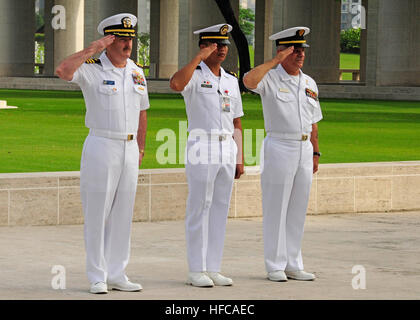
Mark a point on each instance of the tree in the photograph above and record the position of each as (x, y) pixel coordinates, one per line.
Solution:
(246, 22)
(350, 40)
(39, 21)
(238, 37)
(143, 48)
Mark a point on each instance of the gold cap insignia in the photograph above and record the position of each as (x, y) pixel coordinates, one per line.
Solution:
(126, 22)
(224, 29)
(301, 32)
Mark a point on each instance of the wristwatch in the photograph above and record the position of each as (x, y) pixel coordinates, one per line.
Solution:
(317, 154)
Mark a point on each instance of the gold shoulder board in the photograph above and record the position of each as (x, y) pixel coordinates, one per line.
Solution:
(232, 73)
(93, 61)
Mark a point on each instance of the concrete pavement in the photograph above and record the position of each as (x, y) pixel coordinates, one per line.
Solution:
(385, 244)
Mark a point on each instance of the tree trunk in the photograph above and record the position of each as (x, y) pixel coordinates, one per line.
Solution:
(239, 38)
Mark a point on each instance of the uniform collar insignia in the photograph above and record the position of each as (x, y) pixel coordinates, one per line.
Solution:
(106, 64)
(284, 75)
(207, 72)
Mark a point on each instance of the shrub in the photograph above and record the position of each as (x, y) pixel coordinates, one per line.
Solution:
(350, 41)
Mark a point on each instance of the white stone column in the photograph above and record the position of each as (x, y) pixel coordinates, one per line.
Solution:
(168, 40)
(205, 13)
(397, 42)
(154, 39)
(186, 47)
(97, 10)
(69, 40)
(363, 44)
(322, 60)
(172, 43)
(263, 29)
(322, 17)
(17, 31)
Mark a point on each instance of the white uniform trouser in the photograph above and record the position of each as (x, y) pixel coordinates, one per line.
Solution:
(209, 192)
(108, 182)
(286, 180)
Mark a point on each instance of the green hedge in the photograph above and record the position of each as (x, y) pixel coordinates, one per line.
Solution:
(350, 41)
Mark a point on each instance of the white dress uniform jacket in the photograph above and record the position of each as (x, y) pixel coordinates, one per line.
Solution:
(289, 110)
(114, 98)
(211, 105)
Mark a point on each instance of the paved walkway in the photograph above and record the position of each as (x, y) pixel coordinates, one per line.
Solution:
(385, 244)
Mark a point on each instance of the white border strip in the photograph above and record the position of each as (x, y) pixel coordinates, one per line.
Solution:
(244, 181)
(150, 198)
(8, 207)
(58, 200)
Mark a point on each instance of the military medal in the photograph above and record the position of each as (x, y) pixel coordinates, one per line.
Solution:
(311, 94)
(138, 78)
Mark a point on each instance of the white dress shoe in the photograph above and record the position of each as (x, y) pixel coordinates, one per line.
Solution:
(99, 288)
(199, 279)
(300, 275)
(126, 286)
(278, 276)
(219, 280)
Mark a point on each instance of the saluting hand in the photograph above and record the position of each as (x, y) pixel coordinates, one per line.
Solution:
(239, 170)
(141, 158)
(281, 55)
(101, 44)
(207, 51)
(316, 164)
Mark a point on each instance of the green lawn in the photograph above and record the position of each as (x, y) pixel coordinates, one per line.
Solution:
(251, 55)
(349, 61)
(47, 132)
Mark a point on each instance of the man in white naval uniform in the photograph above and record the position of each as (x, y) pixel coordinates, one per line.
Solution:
(115, 92)
(214, 107)
(290, 151)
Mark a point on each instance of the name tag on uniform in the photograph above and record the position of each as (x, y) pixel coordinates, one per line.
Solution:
(109, 82)
(284, 90)
(206, 84)
(225, 103)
